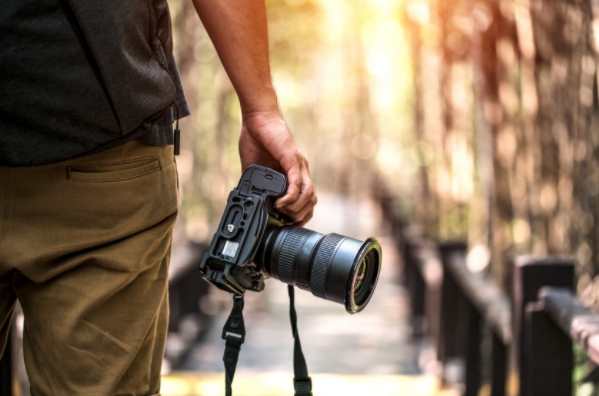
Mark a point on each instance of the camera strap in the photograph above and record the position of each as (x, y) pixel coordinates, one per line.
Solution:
(302, 383)
(234, 335)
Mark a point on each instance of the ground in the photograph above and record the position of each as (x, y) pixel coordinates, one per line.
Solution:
(371, 353)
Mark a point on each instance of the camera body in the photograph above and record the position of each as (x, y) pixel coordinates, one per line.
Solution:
(255, 241)
(250, 214)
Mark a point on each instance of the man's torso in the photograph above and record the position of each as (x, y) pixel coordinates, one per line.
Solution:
(72, 84)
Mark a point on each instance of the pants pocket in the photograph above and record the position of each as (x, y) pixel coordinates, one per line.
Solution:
(115, 171)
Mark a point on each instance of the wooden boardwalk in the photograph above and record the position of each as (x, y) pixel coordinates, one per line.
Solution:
(279, 384)
(371, 353)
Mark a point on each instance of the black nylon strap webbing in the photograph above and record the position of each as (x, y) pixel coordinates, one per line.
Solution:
(234, 335)
(302, 382)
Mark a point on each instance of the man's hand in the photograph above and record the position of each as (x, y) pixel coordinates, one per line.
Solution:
(266, 140)
(238, 31)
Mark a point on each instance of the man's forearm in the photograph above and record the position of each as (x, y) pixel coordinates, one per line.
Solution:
(239, 33)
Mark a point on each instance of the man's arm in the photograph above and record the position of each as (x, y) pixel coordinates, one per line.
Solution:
(239, 33)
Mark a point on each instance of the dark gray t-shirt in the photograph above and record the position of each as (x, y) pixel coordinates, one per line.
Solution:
(53, 103)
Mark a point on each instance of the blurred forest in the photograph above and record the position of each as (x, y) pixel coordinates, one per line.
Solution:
(479, 116)
(506, 108)
(343, 75)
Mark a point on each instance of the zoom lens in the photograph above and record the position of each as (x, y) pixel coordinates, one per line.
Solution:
(333, 266)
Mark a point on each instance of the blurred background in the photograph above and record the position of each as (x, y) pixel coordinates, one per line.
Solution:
(468, 120)
(479, 116)
(344, 78)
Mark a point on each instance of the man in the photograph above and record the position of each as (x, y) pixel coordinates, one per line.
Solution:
(88, 195)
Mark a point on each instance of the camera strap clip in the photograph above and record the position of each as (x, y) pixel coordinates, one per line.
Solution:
(234, 335)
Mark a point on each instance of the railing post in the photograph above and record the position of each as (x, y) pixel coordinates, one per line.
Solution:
(415, 284)
(530, 275)
(473, 358)
(6, 379)
(452, 325)
(549, 355)
(498, 366)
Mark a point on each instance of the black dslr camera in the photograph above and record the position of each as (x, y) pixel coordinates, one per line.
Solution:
(255, 241)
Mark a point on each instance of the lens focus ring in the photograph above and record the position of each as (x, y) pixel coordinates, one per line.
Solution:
(322, 260)
(293, 242)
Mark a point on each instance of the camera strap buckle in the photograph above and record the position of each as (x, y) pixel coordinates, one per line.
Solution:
(303, 387)
(234, 335)
(234, 327)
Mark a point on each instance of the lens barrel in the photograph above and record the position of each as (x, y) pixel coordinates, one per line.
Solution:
(333, 266)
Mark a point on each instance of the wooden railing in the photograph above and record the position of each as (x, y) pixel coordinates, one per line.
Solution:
(532, 329)
(475, 302)
(459, 305)
(536, 325)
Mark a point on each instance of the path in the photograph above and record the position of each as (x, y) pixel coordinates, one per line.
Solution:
(371, 349)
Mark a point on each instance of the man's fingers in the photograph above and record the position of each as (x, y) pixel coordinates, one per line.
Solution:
(293, 191)
(294, 178)
(305, 213)
(304, 199)
(306, 218)
(269, 142)
(305, 195)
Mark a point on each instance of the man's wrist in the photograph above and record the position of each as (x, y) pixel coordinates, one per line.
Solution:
(258, 120)
(260, 103)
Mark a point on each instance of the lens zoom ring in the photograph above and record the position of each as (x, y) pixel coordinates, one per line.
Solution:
(322, 260)
(293, 242)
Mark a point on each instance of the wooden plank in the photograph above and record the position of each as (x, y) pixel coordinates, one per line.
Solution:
(498, 366)
(486, 304)
(279, 383)
(415, 283)
(530, 275)
(550, 355)
(454, 315)
(573, 318)
(473, 357)
(448, 345)
(493, 305)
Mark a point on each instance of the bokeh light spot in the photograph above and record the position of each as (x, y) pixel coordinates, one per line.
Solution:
(363, 146)
(391, 30)
(388, 158)
(418, 11)
(478, 258)
(379, 65)
(521, 230)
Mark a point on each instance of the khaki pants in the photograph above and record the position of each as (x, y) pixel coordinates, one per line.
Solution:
(85, 247)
